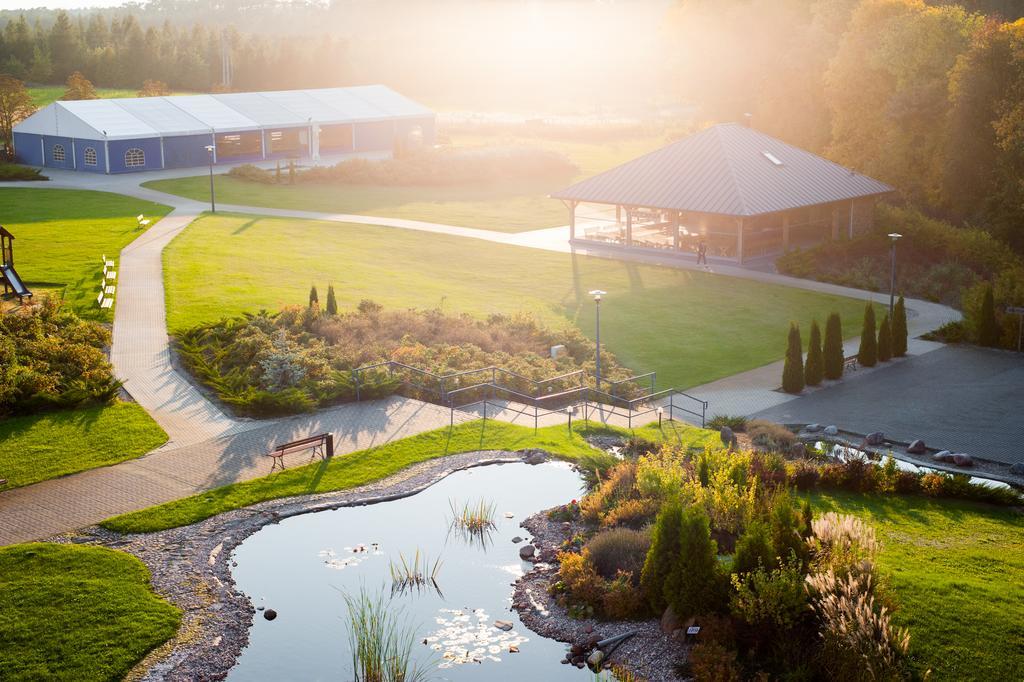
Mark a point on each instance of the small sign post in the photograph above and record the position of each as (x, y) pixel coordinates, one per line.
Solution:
(1019, 312)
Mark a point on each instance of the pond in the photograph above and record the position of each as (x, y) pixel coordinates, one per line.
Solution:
(302, 566)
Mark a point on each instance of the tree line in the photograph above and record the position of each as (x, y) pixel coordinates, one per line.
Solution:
(118, 52)
(929, 98)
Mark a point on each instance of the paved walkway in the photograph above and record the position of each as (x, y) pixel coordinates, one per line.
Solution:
(959, 398)
(208, 449)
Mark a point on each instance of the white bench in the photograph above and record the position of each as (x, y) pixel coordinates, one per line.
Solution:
(142, 221)
(108, 273)
(110, 291)
(107, 263)
(104, 302)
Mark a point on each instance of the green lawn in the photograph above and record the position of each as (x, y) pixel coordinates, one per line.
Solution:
(46, 94)
(505, 207)
(43, 446)
(70, 612)
(691, 327)
(355, 469)
(957, 570)
(61, 235)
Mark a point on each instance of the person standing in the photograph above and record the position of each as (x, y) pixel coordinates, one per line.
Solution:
(702, 253)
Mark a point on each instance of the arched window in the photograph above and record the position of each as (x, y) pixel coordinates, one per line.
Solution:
(90, 156)
(58, 153)
(134, 157)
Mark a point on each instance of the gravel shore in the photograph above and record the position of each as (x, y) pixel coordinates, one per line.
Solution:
(191, 565)
(650, 654)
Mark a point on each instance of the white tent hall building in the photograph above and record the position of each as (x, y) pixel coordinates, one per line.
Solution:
(153, 133)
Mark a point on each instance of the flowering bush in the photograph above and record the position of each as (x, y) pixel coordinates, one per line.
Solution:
(51, 359)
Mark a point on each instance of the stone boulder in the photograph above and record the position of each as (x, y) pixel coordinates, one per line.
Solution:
(875, 438)
(962, 459)
(943, 456)
(270, 614)
(831, 430)
(727, 436)
(917, 447)
(812, 428)
(1017, 469)
(527, 552)
(535, 456)
(798, 451)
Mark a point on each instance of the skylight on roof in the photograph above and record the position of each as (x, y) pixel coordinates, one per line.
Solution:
(771, 157)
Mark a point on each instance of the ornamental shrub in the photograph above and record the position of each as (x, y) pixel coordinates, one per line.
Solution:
(770, 436)
(622, 599)
(988, 327)
(833, 349)
(773, 600)
(619, 550)
(579, 578)
(314, 298)
(814, 371)
(793, 368)
(899, 329)
(332, 301)
(631, 513)
(663, 555)
(695, 585)
(713, 662)
(787, 529)
(753, 549)
(867, 356)
(884, 340)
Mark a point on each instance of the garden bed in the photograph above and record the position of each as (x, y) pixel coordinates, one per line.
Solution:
(303, 358)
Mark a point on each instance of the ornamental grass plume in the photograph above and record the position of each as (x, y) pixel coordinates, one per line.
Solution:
(859, 639)
(842, 543)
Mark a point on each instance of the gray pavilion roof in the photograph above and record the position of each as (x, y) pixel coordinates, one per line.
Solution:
(727, 169)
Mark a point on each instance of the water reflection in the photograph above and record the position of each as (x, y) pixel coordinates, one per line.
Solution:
(466, 632)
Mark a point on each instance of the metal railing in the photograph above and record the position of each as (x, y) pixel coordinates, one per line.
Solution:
(543, 398)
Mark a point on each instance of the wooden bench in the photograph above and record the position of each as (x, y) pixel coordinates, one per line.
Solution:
(322, 445)
(104, 301)
(850, 363)
(142, 221)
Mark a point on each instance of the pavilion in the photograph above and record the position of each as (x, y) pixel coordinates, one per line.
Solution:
(743, 193)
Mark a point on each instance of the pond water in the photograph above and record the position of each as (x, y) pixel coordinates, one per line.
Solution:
(301, 567)
(845, 453)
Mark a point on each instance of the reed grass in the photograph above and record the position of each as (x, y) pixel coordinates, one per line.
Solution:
(381, 640)
(416, 574)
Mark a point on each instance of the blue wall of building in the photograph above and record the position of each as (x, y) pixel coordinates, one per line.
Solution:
(101, 159)
(27, 148)
(50, 143)
(150, 147)
(377, 136)
(186, 151)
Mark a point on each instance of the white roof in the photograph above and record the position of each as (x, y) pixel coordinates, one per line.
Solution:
(390, 102)
(354, 107)
(162, 115)
(214, 113)
(142, 117)
(307, 106)
(264, 111)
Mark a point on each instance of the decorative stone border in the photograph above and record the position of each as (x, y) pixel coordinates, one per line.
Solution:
(191, 565)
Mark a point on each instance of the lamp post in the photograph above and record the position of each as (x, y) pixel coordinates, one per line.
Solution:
(213, 200)
(597, 294)
(894, 236)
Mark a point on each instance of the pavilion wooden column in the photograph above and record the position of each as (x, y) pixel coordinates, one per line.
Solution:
(629, 226)
(785, 232)
(675, 230)
(572, 220)
(739, 240)
(850, 225)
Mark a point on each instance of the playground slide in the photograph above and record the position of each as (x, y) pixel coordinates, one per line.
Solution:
(11, 275)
